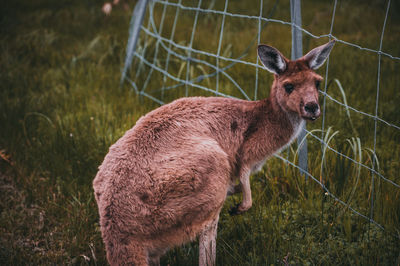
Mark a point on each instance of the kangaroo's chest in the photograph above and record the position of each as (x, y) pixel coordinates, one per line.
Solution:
(277, 144)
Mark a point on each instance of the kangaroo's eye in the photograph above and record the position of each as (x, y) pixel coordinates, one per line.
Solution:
(317, 84)
(288, 88)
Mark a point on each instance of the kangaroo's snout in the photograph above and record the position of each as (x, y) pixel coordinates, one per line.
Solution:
(311, 111)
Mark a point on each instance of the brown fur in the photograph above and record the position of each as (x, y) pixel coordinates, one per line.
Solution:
(165, 181)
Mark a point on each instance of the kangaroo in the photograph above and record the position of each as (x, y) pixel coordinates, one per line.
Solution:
(165, 181)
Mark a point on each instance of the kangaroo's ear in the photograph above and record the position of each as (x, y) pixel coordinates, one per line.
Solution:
(272, 59)
(317, 56)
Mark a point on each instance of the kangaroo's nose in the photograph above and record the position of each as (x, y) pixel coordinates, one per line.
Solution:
(311, 108)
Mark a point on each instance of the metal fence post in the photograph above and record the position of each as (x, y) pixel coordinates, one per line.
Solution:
(134, 30)
(297, 52)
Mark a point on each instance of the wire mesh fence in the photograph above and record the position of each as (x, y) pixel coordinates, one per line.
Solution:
(191, 48)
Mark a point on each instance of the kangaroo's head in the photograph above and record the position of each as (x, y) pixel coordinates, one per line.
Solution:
(295, 87)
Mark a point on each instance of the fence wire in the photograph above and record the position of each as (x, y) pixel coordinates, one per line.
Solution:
(186, 53)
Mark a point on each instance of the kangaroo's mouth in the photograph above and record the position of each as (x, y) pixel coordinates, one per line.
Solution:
(310, 118)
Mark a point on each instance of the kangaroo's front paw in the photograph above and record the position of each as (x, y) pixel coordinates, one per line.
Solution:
(243, 207)
(238, 209)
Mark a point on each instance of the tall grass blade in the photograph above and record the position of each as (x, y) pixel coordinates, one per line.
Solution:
(346, 105)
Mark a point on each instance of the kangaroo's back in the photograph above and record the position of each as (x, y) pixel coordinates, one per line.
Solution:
(166, 130)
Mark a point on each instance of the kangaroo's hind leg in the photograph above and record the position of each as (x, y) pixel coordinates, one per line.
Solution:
(207, 244)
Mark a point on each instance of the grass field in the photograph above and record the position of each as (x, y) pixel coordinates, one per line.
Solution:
(61, 107)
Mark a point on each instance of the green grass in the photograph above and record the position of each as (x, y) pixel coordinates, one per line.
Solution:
(61, 107)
